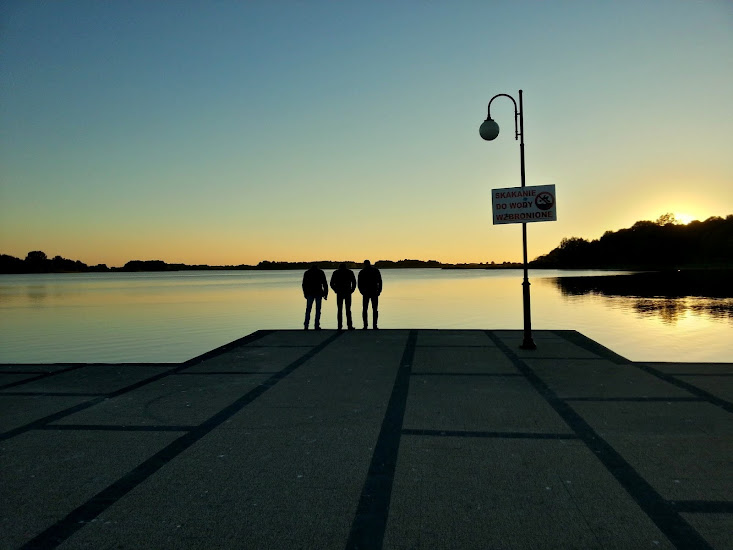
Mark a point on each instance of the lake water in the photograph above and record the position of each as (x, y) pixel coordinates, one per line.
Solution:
(171, 317)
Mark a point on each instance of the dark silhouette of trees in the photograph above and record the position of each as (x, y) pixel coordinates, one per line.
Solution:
(59, 264)
(649, 245)
(330, 264)
(36, 257)
(387, 264)
(37, 261)
(148, 265)
(11, 264)
(666, 219)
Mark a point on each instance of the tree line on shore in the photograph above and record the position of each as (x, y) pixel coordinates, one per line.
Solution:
(38, 262)
(661, 244)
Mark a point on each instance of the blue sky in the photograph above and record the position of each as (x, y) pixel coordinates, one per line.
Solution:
(233, 132)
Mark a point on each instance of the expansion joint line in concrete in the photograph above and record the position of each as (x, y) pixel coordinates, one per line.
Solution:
(580, 340)
(661, 512)
(39, 377)
(370, 522)
(30, 372)
(671, 379)
(115, 428)
(481, 374)
(226, 373)
(75, 520)
(594, 347)
(50, 394)
(488, 435)
(42, 422)
(636, 399)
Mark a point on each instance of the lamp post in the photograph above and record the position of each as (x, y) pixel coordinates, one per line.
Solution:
(489, 130)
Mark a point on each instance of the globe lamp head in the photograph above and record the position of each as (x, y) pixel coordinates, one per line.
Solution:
(489, 129)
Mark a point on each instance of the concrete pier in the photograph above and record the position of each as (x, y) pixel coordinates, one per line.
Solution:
(395, 439)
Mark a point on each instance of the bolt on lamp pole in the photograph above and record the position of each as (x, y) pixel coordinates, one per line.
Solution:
(489, 130)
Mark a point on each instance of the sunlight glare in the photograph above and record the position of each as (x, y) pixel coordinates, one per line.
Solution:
(683, 219)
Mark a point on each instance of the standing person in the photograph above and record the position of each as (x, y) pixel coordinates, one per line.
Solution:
(370, 286)
(343, 283)
(314, 288)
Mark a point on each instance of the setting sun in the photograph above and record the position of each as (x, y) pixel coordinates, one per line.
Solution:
(683, 218)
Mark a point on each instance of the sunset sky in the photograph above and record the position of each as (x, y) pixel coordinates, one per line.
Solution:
(231, 132)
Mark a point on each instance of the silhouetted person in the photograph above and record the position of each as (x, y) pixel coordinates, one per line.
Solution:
(370, 286)
(314, 288)
(343, 283)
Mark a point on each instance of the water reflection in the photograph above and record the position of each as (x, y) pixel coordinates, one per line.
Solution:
(168, 317)
(37, 293)
(671, 310)
(668, 296)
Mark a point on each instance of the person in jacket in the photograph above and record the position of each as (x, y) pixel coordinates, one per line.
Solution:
(315, 288)
(370, 286)
(343, 283)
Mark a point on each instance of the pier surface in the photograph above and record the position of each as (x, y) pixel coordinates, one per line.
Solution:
(394, 439)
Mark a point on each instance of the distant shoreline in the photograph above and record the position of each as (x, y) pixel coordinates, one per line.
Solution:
(142, 267)
(651, 246)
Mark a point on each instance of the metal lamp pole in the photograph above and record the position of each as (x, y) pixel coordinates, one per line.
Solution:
(489, 130)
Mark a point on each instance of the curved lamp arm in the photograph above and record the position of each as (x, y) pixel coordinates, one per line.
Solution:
(490, 129)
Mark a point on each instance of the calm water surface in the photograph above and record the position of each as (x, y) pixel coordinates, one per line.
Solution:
(171, 317)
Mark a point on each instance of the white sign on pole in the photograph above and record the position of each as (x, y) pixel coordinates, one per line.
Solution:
(524, 204)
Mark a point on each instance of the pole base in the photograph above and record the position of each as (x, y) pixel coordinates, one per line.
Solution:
(528, 343)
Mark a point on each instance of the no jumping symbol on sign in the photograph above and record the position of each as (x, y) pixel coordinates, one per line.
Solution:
(544, 201)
